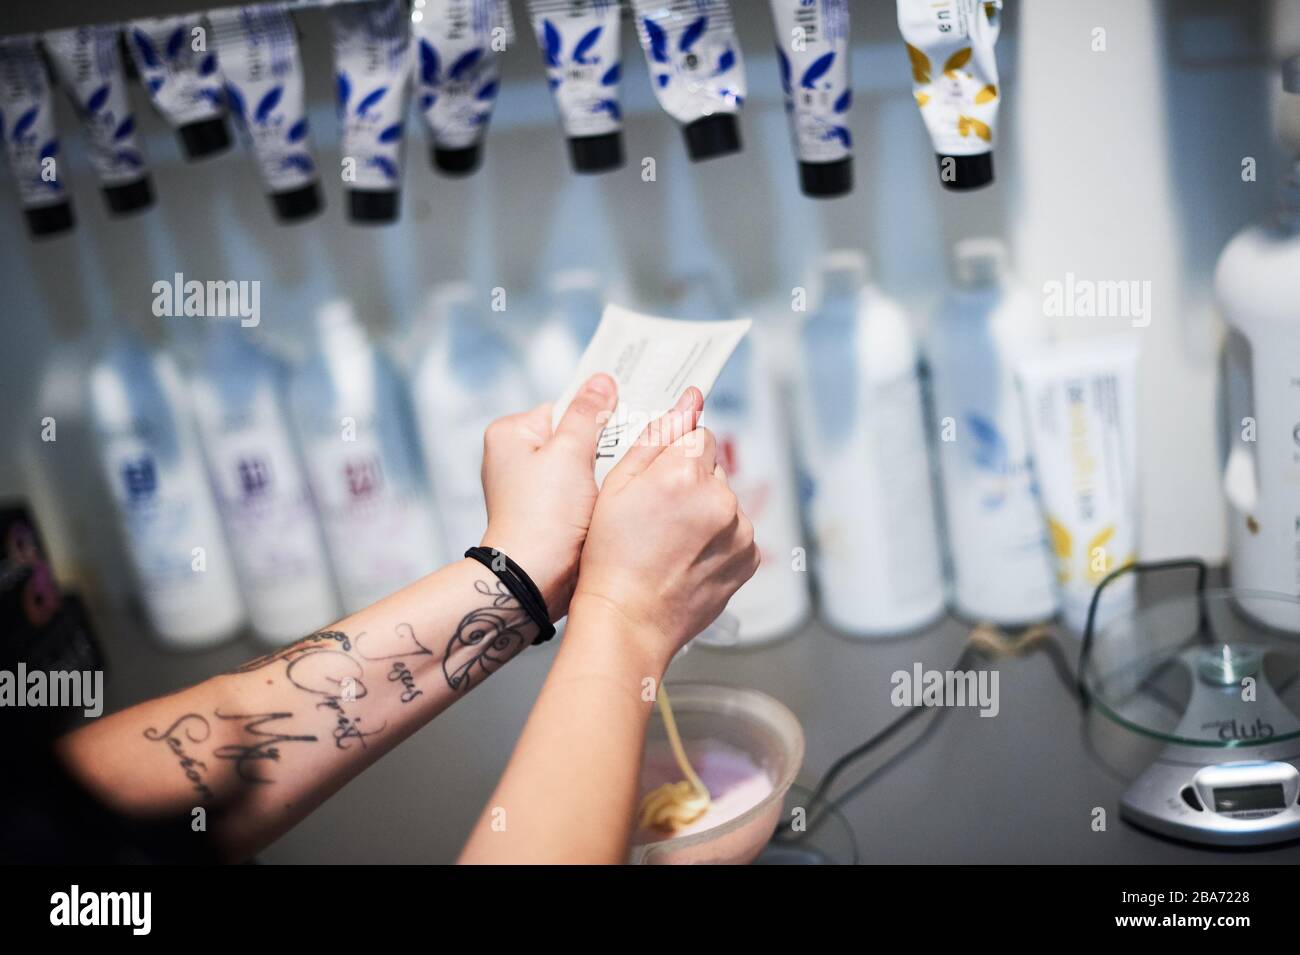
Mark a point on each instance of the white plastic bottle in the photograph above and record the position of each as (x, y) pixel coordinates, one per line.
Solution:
(154, 468)
(358, 440)
(1001, 563)
(576, 301)
(467, 377)
(862, 433)
(261, 487)
(1258, 285)
(743, 412)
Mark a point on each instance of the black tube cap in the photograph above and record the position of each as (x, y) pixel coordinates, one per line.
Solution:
(297, 203)
(716, 135)
(50, 220)
(596, 153)
(966, 172)
(826, 180)
(373, 206)
(132, 197)
(458, 162)
(204, 138)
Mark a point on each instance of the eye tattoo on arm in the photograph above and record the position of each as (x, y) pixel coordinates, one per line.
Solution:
(486, 638)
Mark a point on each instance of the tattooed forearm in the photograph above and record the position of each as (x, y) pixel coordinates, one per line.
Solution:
(195, 729)
(486, 638)
(265, 745)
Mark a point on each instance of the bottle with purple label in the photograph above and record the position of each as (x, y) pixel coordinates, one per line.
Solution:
(266, 505)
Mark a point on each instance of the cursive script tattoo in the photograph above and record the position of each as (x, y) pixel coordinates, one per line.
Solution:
(266, 745)
(196, 730)
(336, 678)
(486, 638)
(403, 643)
(320, 640)
(401, 673)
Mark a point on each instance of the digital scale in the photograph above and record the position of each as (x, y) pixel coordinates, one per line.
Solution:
(1221, 690)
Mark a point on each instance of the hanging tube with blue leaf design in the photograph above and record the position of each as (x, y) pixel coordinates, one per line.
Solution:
(30, 137)
(457, 75)
(257, 53)
(580, 48)
(89, 68)
(372, 76)
(812, 52)
(180, 73)
(696, 70)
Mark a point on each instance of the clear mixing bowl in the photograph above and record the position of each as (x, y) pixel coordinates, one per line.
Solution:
(756, 725)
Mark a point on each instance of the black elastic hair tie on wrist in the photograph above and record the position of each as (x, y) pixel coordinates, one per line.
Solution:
(521, 587)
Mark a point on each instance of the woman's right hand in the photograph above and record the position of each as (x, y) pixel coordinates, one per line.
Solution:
(668, 543)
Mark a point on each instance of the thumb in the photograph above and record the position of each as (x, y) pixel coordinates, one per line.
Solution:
(587, 413)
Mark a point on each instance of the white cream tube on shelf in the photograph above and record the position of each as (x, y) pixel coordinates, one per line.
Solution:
(1080, 403)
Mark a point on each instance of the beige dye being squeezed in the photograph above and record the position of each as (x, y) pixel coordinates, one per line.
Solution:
(674, 805)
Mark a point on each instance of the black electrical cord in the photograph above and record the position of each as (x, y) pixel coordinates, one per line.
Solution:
(1074, 683)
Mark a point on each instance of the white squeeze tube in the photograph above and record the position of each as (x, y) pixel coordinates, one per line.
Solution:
(372, 76)
(89, 68)
(457, 75)
(955, 82)
(812, 50)
(179, 70)
(257, 51)
(696, 70)
(1080, 404)
(579, 43)
(30, 138)
(652, 360)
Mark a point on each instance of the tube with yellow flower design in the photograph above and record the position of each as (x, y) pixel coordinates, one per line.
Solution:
(955, 82)
(1080, 403)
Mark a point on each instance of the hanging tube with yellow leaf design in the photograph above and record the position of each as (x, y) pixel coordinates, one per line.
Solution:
(1080, 404)
(955, 82)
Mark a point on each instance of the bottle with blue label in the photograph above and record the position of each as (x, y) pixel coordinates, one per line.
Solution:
(744, 413)
(577, 298)
(351, 412)
(154, 468)
(265, 502)
(467, 377)
(1002, 568)
(870, 501)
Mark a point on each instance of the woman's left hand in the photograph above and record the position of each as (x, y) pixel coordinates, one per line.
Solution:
(540, 487)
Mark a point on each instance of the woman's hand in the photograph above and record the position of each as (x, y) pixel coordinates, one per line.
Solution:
(540, 487)
(668, 543)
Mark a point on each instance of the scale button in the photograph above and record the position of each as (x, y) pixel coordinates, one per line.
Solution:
(1189, 797)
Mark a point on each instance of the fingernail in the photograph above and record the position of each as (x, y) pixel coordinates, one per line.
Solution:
(686, 401)
(602, 385)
